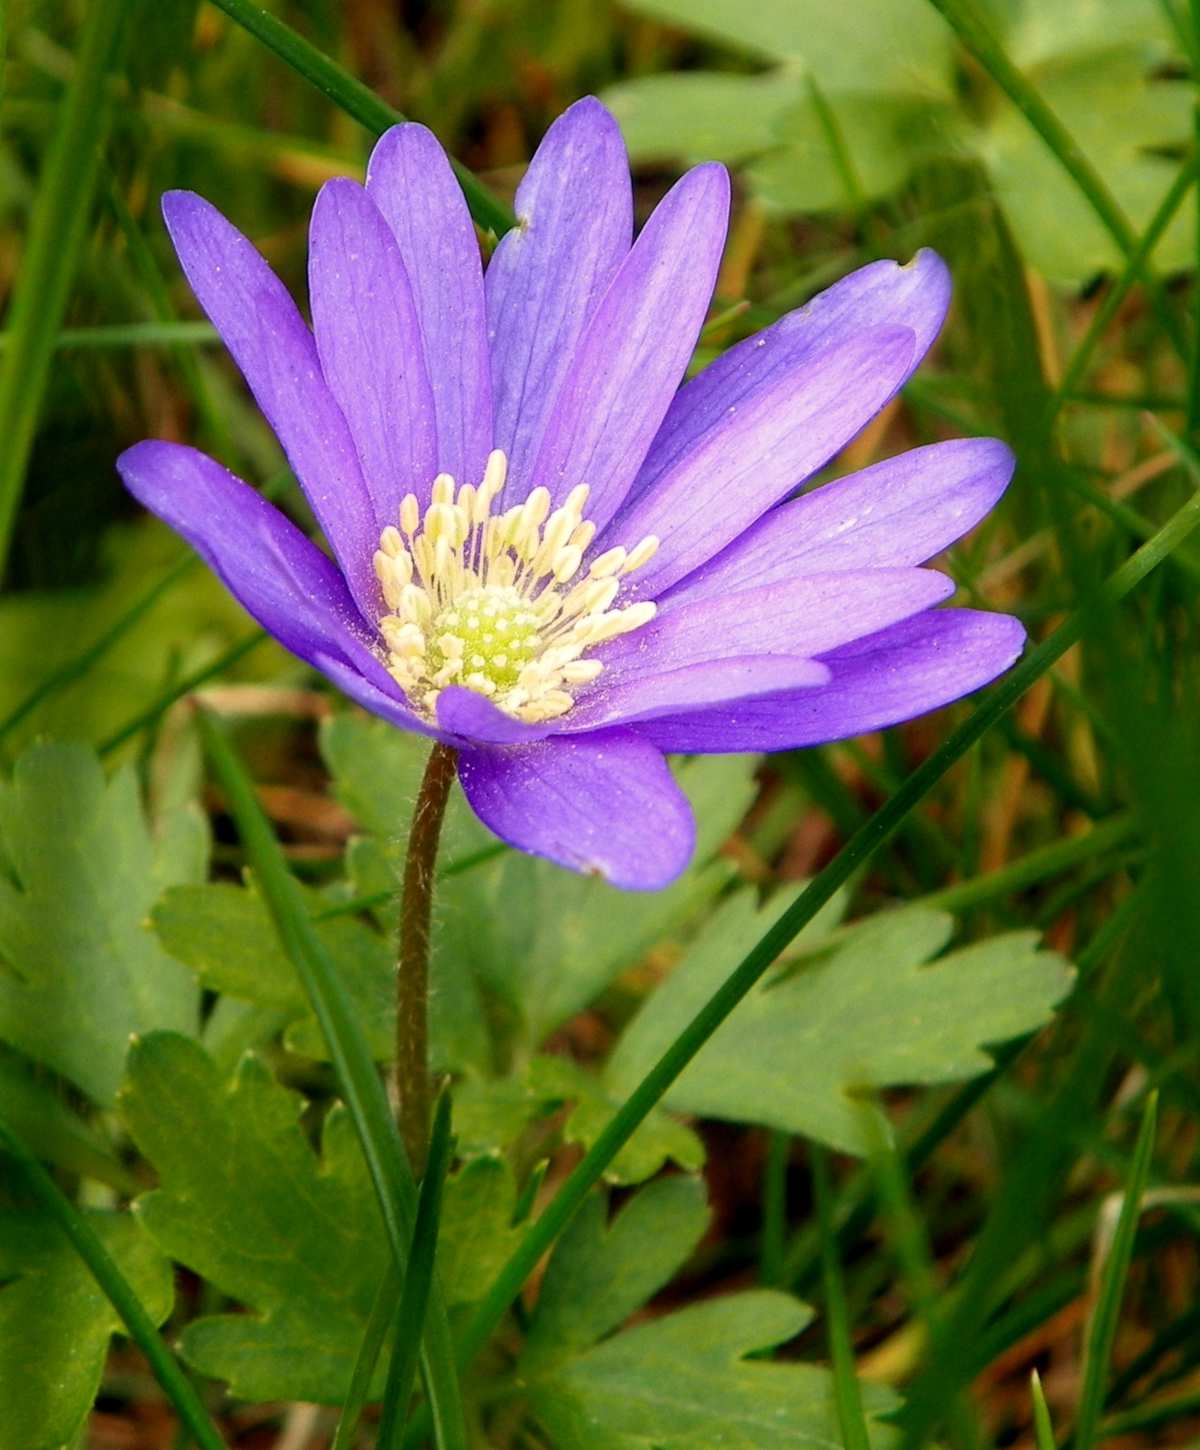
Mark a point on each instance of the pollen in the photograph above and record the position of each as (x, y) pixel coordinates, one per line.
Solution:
(501, 603)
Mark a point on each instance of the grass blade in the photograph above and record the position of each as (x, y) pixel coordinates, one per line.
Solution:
(410, 1317)
(117, 1289)
(57, 227)
(358, 1080)
(368, 1355)
(1112, 1285)
(355, 99)
(1043, 1430)
(977, 37)
(855, 1435)
(855, 853)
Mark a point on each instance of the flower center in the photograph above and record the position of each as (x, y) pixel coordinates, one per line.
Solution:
(497, 602)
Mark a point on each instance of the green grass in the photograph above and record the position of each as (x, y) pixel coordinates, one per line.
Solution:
(963, 1259)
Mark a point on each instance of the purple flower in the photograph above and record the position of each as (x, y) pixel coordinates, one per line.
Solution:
(546, 552)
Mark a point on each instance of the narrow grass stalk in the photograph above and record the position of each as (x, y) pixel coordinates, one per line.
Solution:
(378, 1320)
(410, 1317)
(1112, 1286)
(126, 334)
(144, 718)
(855, 1435)
(1043, 1429)
(853, 855)
(357, 1078)
(354, 98)
(413, 1087)
(57, 226)
(976, 35)
(117, 1290)
(1077, 366)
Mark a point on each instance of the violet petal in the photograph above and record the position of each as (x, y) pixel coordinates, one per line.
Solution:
(880, 294)
(258, 321)
(899, 673)
(369, 341)
(899, 512)
(711, 682)
(277, 575)
(411, 182)
(806, 616)
(635, 348)
(575, 224)
(605, 804)
(468, 715)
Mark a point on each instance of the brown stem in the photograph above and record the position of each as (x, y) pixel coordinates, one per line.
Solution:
(414, 1092)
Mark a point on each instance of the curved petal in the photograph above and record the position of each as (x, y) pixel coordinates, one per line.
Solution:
(881, 294)
(895, 675)
(411, 182)
(575, 224)
(470, 716)
(277, 575)
(762, 450)
(635, 348)
(899, 512)
(805, 617)
(369, 342)
(258, 321)
(708, 683)
(604, 804)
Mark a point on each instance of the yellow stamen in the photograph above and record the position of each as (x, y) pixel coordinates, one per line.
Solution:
(478, 599)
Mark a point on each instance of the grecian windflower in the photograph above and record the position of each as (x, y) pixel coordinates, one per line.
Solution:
(545, 551)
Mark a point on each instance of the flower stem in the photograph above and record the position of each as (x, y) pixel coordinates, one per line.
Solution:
(414, 1092)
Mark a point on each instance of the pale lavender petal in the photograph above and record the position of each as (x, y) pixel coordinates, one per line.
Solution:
(764, 448)
(269, 341)
(277, 575)
(411, 182)
(575, 223)
(895, 675)
(468, 715)
(636, 347)
(805, 617)
(604, 804)
(709, 683)
(369, 341)
(880, 294)
(899, 512)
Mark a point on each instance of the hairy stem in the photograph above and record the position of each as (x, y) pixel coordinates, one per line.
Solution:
(414, 1092)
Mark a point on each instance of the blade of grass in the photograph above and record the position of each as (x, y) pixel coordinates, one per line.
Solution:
(1043, 1430)
(355, 99)
(1077, 365)
(127, 334)
(1112, 1286)
(774, 1214)
(858, 850)
(163, 703)
(855, 1435)
(57, 226)
(977, 37)
(410, 1317)
(118, 1291)
(368, 1355)
(357, 1078)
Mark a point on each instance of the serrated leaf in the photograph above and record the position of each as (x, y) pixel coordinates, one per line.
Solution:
(245, 1201)
(886, 45)
(1120, 113)
(546, 942)
(476, 1233)
(799, 1052)
(55, 1322)
(79, 972)
(702, 115)
(681, 1382)
(491, 1114)
(224, 933)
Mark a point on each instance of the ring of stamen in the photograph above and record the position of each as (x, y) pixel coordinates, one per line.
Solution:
(500, 603)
